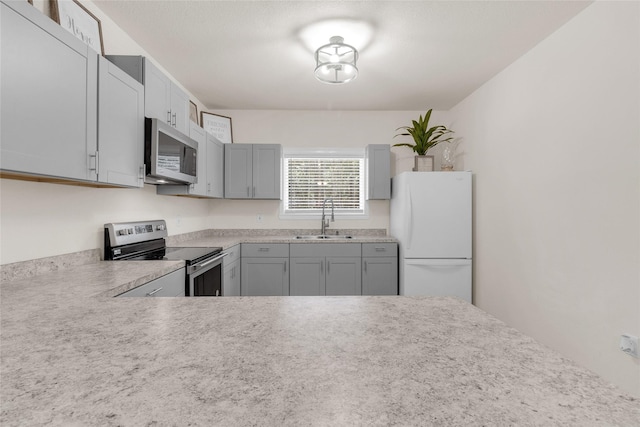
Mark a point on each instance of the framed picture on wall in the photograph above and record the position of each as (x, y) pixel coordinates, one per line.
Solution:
(193, 112)
(218, 126)
(76, 19)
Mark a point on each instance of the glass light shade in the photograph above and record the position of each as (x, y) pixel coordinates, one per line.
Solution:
(336, 62)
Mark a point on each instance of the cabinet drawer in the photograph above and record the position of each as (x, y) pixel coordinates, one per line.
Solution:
(379, 249)
(233, 255)
(270, 250)
(325, 249)
(170, 285)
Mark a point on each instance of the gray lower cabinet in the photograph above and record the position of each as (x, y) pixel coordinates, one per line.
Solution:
(379, 269)
(231, 272)
(169, 285)
(252, 171)
(48, 107)
(326, 269)
(264, 269)
(307, 276)
(121, 127)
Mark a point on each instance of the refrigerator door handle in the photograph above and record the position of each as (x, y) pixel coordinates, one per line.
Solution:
(409, 219)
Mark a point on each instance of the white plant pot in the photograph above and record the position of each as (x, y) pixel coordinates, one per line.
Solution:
(423, 164)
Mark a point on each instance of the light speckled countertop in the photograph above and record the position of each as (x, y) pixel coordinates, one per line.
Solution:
(235, 237)
(70, 355)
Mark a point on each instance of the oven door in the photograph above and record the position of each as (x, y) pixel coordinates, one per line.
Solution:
(205, 279)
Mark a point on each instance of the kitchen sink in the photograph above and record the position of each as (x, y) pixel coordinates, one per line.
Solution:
(324, 237)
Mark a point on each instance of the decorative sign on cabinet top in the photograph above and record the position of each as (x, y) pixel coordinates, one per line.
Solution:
(76, 19)
(218, 126)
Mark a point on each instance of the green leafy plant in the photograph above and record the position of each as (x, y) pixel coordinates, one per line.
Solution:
(425, 137)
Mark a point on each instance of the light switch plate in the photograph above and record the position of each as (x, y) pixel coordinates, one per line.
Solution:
(629, 344)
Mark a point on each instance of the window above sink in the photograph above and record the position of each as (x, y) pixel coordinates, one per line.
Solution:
(312, 176)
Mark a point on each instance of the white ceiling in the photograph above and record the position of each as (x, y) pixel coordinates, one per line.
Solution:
(414, 55)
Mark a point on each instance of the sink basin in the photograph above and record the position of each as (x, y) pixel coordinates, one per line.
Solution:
(325, 237)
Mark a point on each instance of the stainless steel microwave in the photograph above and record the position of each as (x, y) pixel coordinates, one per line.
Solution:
(170, 156)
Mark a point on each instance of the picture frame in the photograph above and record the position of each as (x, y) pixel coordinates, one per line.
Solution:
(218, 126)
(193, 112)
(79, 21)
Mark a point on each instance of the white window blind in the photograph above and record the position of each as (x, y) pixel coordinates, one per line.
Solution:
(310, 180)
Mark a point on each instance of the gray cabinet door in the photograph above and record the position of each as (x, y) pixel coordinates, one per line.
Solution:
(238, 171)
(380, 276)
(344, 276)
(307, 276)
(199, 188)
(157, 93)
(267, 160)
(264, 277)
(48, 107)
(121, 127)
(231, 283)
(215, 167)
(378, 171)
(179, 107)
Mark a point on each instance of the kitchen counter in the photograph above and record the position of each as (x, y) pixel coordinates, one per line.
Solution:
(228, 241)
(71, 355)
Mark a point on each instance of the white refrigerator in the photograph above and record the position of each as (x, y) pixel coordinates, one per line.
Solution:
(431, 218)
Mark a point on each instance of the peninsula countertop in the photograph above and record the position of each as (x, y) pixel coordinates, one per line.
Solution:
(72, 355)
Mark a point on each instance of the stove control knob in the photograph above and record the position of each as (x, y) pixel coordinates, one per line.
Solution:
(160, 227)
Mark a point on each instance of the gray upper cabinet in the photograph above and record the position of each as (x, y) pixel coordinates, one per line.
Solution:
(252, 171)
(121, 127)
(378, 171)
(215, 167)
(163, 99)
(49, 89)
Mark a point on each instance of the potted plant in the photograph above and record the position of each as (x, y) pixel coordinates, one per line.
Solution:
(425, 138)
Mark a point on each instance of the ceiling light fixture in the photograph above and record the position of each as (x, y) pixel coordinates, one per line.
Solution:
(336, 62)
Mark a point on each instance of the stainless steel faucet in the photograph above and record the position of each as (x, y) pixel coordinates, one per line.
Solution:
(325, 222)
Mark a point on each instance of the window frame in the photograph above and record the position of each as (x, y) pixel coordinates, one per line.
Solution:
(340, 153)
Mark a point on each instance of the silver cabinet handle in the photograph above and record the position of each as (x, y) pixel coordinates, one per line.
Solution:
(380, 250)
(365, 266)
(169, 117)
(95, 164)
(248, 191)
(141, 176)
(285, 266)
(263, 249)
(328, 267)
(150, 294)
(173, 122)
(321, 267)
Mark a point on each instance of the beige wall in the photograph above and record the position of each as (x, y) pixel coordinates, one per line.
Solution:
(40, 219)
(554, 143)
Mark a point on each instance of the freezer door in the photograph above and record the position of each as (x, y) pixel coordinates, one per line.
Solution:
(436, 277)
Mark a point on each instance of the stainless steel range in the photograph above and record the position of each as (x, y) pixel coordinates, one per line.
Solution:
(145, 240)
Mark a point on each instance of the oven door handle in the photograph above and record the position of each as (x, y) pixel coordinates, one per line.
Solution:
(197, 267)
